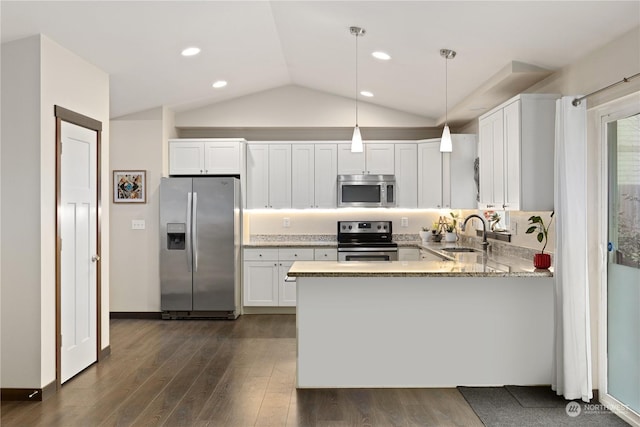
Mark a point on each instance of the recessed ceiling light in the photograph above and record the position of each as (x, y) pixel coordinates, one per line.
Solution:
(220, 83)
(381, 55)
(190, 51)
(366, 93)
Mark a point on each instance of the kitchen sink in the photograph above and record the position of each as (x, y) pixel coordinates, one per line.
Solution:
(459, 249)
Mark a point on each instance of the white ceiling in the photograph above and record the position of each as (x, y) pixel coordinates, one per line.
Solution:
(259, 45)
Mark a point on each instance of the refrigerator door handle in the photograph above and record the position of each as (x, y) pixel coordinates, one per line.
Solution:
(195, 231)
(189, 234)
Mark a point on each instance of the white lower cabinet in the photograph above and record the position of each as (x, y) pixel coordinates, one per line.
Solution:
(408, 254)
(325, 254)
(265, 271)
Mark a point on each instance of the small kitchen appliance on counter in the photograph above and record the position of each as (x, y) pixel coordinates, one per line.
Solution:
(366, 241)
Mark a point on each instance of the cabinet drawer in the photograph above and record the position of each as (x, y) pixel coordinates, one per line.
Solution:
(326, 254)
(296, 254)
(261, 254)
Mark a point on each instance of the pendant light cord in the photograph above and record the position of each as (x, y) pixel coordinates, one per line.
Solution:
(357, 35)
(446, 90)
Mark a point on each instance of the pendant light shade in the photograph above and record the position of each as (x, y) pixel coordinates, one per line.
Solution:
(356, 140)
(445, 142)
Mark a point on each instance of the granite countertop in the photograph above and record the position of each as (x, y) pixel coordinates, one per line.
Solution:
(406, 269)
(460, 264)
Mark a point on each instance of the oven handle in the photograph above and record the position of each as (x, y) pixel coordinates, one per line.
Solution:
(367, 249)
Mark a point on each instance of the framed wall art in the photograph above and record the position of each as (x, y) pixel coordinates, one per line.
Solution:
(129, 186)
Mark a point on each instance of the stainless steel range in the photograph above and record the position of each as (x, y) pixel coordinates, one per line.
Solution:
(366, 241)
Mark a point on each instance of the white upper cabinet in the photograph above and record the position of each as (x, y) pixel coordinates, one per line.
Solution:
(446, 180)
(205, 156)
(302, 176)
(257, 176)
(326, 176)
(377, 159)
(406, 168)
(429, 175)
(517, 142)
(459, 188)
(313, 175)
(380, 159)
(279, 176)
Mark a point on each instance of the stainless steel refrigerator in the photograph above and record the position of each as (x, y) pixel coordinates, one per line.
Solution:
(200, 242)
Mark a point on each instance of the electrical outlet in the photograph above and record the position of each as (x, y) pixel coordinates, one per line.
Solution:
(138, 224)
(513, 228)
(404, 221)
(286, 222)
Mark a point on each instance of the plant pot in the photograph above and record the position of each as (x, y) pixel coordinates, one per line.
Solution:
(450, 237)
(424, 235)
(542, 261)
(436, 237)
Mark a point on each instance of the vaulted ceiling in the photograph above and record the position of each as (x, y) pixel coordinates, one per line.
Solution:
(259, 45)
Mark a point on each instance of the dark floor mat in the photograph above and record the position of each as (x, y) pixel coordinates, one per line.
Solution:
(497, 407)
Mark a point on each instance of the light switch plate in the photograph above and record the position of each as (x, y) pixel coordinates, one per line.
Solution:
(137, 224)
(286, 222)
(404, 221)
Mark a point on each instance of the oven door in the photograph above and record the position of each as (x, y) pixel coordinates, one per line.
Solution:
(367, 254)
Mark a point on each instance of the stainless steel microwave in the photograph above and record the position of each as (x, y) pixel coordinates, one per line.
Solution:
(366, 191)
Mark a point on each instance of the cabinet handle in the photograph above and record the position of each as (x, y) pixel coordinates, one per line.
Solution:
(200, 170)
(489, 206)
(275, 265)
(260, 255)
(295, 255)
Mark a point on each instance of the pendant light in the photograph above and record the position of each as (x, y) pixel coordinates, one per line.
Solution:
(445, 142)
(356, 139)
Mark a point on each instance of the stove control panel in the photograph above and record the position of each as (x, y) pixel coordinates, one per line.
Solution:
(347, 227)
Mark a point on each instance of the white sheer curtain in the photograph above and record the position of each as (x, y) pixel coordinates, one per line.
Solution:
(572, 369)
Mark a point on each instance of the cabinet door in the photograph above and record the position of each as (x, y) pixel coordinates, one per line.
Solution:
(350, 163)
(379, 159)
(222, 158)
(406, 167)
(186, 158)
(302, 176)
(261, 283)
(408, 254)
(326, 176)
(279, 176)
(325, 254)
(461, 191)
(257, 176)
(429, 175)
(511, 117)
(287, 294)
(491, 161)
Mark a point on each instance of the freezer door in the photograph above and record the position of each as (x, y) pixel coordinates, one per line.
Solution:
(215, 207)
(175, 244)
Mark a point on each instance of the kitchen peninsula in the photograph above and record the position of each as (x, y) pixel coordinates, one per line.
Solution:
(423, 323)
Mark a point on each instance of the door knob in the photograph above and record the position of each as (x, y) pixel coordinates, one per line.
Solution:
(95, 258)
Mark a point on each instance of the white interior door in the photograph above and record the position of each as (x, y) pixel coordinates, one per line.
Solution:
(78, 195)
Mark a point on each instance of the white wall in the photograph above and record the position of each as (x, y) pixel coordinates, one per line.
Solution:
(295, 106)
(20, 193)
(37, 74)
(137, 143)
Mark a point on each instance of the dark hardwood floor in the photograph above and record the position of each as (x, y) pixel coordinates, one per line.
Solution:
(222, 373)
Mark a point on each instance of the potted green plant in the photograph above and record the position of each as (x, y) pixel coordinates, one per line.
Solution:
(425, 233)
(536, 224)
(451, 234)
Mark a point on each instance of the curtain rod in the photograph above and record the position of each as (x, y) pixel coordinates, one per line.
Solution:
(577, 101)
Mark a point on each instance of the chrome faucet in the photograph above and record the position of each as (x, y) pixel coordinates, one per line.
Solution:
(485, 245)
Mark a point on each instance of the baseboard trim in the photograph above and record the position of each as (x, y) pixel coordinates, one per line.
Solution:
(149, 315)
(104, 353)
(28, 394)
(268, 310)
